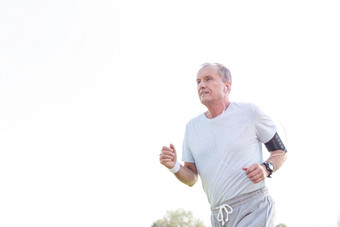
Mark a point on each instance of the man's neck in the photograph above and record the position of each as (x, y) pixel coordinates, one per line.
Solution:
(217, 109)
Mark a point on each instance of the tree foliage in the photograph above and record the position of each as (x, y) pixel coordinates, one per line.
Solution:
(281, 225)
(178, 218)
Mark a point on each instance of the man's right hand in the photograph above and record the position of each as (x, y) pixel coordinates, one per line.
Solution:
(168, 156)
(188, 173)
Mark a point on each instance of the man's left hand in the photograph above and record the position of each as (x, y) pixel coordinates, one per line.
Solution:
(256, 172)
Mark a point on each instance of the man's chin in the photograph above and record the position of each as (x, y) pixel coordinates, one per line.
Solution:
(205, 101)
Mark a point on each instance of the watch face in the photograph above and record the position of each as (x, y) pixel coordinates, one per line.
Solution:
(270, 166)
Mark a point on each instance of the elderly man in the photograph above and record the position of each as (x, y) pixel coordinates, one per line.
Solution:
(224, 147)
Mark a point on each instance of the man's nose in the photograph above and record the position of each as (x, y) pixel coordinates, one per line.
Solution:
(201, 85)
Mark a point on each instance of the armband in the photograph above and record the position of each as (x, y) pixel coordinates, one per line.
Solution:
(275, 144)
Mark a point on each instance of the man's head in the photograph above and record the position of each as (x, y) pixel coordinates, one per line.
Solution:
(213, 83)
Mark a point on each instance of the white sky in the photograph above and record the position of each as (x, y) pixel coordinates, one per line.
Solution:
(91, 90)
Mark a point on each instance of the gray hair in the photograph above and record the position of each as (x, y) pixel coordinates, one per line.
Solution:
(224, 71)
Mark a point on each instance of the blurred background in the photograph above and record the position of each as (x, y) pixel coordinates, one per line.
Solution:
(90, 91)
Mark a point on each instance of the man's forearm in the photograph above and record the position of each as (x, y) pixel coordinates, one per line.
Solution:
(186, 176)
(277, 158)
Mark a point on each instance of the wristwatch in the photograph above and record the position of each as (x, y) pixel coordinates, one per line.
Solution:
(269, 167)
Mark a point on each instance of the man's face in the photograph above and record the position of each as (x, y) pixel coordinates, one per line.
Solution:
(210, 86)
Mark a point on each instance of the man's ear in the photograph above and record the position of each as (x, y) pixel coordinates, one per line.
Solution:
(227, 86)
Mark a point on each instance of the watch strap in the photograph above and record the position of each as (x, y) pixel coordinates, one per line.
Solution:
(270, 170)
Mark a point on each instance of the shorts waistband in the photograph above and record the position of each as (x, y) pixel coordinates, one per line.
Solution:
(238, 200)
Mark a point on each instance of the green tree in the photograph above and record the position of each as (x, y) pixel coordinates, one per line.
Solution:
(281, 225)
(178, 218)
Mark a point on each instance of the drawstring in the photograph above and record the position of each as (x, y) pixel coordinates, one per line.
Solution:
(220, 213)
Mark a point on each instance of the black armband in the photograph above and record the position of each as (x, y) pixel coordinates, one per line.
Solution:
(275, 144)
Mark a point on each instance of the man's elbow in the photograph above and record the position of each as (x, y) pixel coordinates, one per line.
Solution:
(284, 154)
(192, 183)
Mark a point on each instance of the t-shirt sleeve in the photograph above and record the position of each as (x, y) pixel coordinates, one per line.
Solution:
(264, 126)
(186, 152)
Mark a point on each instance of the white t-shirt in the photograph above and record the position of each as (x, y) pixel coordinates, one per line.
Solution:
(221, 146)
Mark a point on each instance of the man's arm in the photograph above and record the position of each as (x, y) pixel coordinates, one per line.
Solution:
(278, 152)
(187, 174)
(278, 155)
(277, 158)
(258, 172)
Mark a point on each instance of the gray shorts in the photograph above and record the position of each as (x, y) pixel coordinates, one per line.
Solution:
(254, 209)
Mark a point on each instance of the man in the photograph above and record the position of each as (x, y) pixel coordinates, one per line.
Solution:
(224, 147)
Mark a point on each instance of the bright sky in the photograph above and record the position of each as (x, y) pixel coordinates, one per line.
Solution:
(91, 90)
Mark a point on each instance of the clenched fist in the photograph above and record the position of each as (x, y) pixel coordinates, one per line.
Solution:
(256, 172)
(168, 156)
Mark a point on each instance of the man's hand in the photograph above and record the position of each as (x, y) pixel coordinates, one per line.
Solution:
(256, 172)
(168, 156)
(187, 174)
